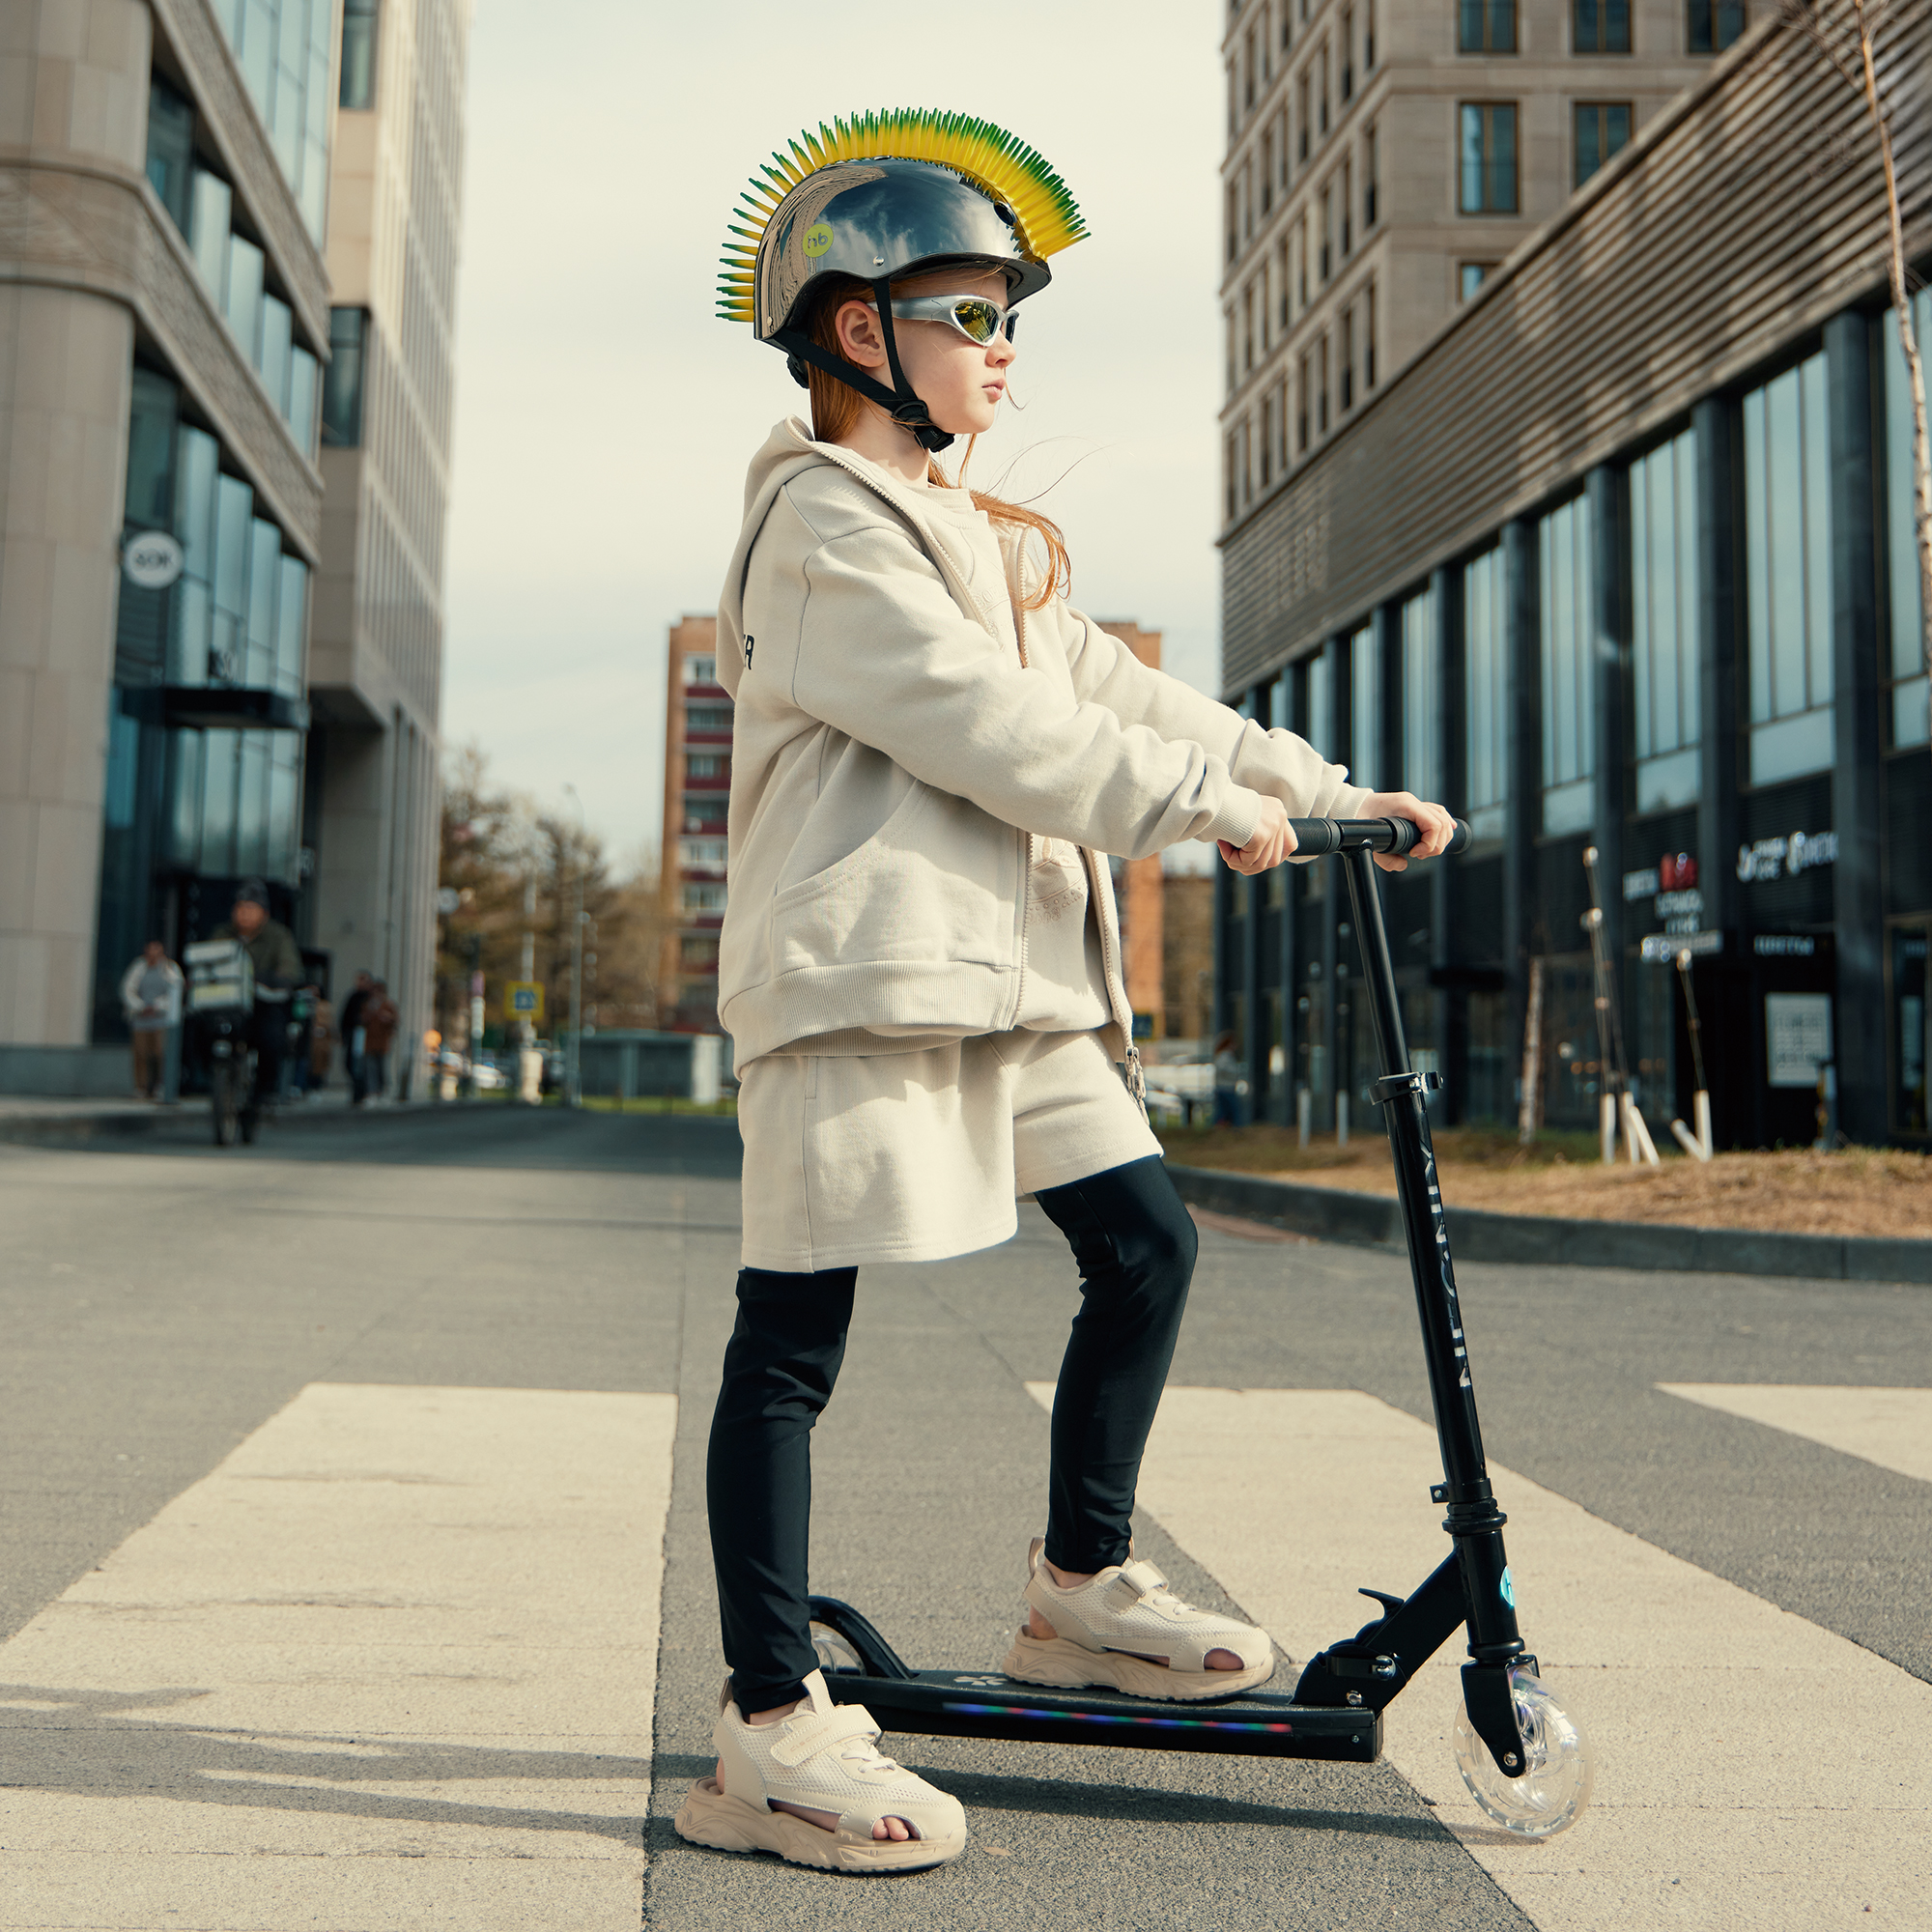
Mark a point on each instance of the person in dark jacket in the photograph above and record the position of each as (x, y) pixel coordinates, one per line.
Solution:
(348, 1024)
(277, 961)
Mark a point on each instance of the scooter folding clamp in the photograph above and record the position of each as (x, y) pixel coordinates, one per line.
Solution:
(1393, 1086)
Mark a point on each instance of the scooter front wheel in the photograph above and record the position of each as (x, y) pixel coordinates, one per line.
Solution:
(1554, 1787)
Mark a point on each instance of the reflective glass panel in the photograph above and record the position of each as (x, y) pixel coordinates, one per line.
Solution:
(1567, 614)
(1365, 707)
(1485, 682)
(1788, 573)
(1663, 623)
(1909, 714)
(1421, 699)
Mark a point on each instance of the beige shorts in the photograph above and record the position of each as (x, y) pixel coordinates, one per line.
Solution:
(916, 1156)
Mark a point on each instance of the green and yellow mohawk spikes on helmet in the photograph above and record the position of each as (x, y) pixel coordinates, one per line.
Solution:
(1000, 165)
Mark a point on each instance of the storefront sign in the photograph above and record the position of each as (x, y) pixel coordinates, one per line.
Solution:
(1797, 1037)
(1674, 873)
(1771, 858)
(1784, 946)
(1661, 948)
(152, 560)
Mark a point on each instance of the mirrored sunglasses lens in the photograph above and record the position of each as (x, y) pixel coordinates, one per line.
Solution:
(980, 320)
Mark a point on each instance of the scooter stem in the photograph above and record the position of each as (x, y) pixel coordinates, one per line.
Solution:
(1473, 1518)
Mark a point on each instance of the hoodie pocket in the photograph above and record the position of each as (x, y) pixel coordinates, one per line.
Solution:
(934, 885)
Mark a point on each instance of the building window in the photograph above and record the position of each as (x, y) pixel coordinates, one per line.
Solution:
(1287, 26)
(1602, 129)
(1487, 175)
(1663, 624)
(1788, 573)
(1368, 338)
(1485, 686)
(1302, 392)
(1234, 222)
(1248, 92)
(1302, 114)
(1348, 54)
(1486, 27)
(1322, 385)
(1247, 460)
(1909, 717)
(1267, 441)
(707, 765)
(1421, 698)
(171, 149)
(1714, 24)
(1348, 360)
(1302, 244)
(284, 50)
(1327, 232)
(702, 895)
(701, 717)
(1230, 351)
(1470, 276)
(1268, 169)
(1233, 481)
(1282, 310)
(1371, 164)
(1281, 416)
(343, 383)
(701, 669)
(1600, 27)
(1321, 62)
(1248, 329)
(1281, 150)
(1347, 209)
(1368, 35)
(359, 53)
(1248, 199)
(1365, 705)
(1567, 622)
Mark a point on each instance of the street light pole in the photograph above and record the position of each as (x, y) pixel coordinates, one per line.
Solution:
(572, 1093)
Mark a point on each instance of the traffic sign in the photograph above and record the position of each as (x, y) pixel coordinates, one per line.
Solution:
(523, 999)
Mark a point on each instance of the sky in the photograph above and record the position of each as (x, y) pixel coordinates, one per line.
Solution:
(605, 418)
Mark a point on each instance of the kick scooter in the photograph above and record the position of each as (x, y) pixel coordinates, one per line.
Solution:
(1522, 1756)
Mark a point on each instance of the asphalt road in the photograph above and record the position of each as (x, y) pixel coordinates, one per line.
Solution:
(165, 1303)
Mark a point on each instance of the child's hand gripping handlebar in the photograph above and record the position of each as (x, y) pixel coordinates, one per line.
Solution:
(1316, 836)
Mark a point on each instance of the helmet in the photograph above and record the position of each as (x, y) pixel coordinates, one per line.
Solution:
(882, 197)
(252, 892)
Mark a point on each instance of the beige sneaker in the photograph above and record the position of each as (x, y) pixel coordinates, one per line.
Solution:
(1127, 1632)
(821, 1757)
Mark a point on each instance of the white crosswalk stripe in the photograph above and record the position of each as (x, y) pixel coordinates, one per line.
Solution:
(1755, 1772)
(389, 1664)
(1892, 1427)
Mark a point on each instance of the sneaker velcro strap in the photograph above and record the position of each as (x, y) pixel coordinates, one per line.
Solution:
(1141, 1577)
(806, 1740)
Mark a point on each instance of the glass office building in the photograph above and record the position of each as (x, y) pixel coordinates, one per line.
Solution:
(1623, 558)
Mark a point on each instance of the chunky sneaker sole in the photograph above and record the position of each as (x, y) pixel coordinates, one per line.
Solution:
(1071, 1666)
(712, 1817)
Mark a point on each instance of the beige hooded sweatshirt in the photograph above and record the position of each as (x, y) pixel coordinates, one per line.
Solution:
(899, 753)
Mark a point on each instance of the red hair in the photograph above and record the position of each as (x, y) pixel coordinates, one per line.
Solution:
(836, 407)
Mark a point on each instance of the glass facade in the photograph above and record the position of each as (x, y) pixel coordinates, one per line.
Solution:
(1421, 699)
(1486, 692)
(1602, 129)
(342, 386)
(1567, 624)
(1663, 624)
(284, 50)
(357, 86)
(193, 801)
(232, 268)
(1788, 573)
(1365, 709)
(1486, 178)
(1909, 711)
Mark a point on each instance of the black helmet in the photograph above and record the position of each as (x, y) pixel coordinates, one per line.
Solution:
(880, 198)
(252, 892)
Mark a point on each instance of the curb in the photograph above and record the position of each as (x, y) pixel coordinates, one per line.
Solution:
(1480, 1234)
(65, 1130)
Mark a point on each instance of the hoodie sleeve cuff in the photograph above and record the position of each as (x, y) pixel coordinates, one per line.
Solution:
(1237, 818)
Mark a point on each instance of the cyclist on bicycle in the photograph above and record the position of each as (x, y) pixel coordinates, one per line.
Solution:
(277, 961)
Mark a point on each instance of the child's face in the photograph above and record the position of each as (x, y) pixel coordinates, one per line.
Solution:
(959, 380)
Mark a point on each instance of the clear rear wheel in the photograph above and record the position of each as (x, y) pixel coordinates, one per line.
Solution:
(1554, 1787)
(834, 1652)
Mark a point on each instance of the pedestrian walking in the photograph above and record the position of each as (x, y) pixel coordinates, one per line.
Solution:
(151, 996)
(349, 1025)
(277, 964)
(934, 751)
(379, 1018)
(321, 1038)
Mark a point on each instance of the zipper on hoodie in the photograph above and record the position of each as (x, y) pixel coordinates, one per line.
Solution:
(1117, 997)
(1027, 855)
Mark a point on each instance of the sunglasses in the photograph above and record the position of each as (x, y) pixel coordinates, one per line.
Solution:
(977, 318)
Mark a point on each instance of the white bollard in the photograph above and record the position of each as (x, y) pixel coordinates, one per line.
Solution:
(1607, 1127)
(1305, 1113)
(1341, 1120)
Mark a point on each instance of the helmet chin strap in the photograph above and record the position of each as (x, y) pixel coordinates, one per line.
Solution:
(899, 402)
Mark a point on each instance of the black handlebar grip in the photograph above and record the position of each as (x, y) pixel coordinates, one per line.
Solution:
(1459, 839)
(1315, 837)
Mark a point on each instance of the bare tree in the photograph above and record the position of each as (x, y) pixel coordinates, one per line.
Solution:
(1848, 33)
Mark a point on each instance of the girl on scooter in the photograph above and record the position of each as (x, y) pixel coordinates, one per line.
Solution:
(933, 753)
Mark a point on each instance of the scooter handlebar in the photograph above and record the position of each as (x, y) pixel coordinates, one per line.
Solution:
(1313, 837)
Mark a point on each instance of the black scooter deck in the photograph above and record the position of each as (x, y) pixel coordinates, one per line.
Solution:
(982, 1704)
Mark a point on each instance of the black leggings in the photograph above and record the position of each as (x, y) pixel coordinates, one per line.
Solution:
(1134, 1243)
